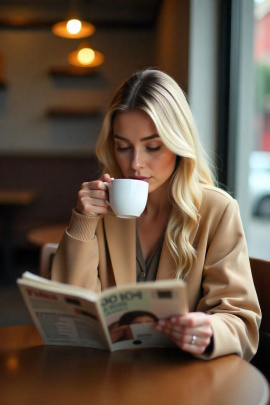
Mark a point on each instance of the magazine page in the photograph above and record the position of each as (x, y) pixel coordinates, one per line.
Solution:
(63, 318)
(56, 286)
(131, 312)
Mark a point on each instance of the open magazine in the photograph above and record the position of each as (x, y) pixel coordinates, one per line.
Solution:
(118, 318)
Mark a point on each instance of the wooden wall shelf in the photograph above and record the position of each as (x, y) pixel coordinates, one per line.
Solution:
(73, 71)
(46, 23)
(73, 112)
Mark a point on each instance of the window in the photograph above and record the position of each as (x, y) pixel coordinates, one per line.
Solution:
(259, 161)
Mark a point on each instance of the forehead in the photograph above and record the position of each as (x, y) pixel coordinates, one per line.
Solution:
(131, 122)
(143, 318)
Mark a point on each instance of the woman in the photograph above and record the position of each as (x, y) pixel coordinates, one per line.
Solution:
(190, 229)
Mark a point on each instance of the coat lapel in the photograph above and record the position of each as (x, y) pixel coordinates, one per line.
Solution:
(166, 267)
(121, 239)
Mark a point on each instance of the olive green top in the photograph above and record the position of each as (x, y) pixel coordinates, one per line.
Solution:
(147, 270)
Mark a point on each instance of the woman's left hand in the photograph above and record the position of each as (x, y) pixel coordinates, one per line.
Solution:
(191, 332)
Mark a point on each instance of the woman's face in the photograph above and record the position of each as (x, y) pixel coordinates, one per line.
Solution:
(139, 151)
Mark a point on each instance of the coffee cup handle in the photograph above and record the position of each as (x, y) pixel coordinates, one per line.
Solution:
(107, 184)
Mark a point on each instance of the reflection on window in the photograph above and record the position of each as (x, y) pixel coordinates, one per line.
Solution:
(258, 235)
(259, 178)
(262, 75)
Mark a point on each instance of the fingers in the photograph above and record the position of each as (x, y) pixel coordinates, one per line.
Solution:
(92, 197)
(106, 177)
(192, 319)
(186, 342)
(181, 330)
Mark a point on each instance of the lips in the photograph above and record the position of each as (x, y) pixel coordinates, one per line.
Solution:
(141, 178)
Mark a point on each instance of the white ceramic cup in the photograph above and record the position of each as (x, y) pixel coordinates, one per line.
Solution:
(127, 197)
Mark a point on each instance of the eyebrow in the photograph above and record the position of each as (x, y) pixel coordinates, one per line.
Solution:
(147, 138)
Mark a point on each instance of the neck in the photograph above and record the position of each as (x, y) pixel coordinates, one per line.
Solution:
(158, 203)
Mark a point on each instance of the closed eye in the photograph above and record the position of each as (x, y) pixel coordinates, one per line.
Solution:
(155, 149)
(123, 148)
(148, 148)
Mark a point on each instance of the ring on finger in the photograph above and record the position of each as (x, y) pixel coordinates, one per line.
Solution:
(193, 339)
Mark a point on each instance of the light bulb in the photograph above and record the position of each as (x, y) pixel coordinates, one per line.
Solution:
(74, 26)
(86, 56)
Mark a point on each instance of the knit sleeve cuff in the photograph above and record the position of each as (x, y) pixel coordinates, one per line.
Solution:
(82, 227)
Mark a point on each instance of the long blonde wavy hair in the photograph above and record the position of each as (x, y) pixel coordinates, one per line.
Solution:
(159, 96)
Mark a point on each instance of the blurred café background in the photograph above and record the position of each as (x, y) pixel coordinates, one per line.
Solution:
(56, 82)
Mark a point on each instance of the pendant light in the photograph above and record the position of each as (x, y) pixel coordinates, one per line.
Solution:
(86, 56)
(73, 27)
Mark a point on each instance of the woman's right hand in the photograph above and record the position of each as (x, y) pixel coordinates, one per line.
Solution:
(92, 197)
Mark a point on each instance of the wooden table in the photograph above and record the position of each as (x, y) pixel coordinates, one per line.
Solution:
(46, 234)
(31, 373)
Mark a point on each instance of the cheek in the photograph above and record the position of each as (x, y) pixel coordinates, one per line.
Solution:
(167, 163)
(122, 160)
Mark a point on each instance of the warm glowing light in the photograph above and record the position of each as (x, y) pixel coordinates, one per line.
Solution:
(86, 56)
(12, 363)
(74, 26)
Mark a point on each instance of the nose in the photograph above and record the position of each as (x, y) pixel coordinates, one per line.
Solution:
(137, 160)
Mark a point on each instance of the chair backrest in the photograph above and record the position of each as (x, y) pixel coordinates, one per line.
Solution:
(46, 258)
(261, 276)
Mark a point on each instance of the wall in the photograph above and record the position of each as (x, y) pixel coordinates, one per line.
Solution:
(28, 55)
(173, 40)
(55, 182)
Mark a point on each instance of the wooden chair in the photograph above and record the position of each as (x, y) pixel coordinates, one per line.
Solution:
(261, 277)
(46, 258)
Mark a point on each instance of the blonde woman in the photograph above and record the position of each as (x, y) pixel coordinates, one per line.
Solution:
(190, 229)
